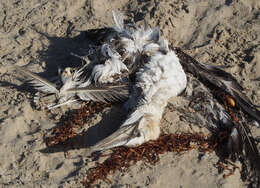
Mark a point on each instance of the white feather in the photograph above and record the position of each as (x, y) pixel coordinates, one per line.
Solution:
(119, 21)
(38, 82)
(161, 78)
(104, 73)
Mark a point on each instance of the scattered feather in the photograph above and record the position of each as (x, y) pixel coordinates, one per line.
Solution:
(103, 93)
(38, 82)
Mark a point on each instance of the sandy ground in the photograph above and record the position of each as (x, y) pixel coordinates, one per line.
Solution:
(41, 33)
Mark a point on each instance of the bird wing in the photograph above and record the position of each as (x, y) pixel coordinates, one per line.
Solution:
(227, 82)
(102, 93)
(218, 78)
(247, 106)
(38, 82)
(223, 75)
(240, 135)
(119, 138)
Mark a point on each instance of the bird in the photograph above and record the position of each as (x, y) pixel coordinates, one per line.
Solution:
(161, 78)
(150, 94)
(158, 77)
(136, 66)
(132, 64)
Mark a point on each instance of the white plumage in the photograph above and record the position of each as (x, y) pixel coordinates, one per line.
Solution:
(103, 73)
(160, 78)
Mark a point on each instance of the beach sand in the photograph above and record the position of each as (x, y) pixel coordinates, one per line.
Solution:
(40, 34)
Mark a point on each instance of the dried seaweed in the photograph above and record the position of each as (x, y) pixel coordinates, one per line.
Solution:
(76, 119)
(122, 157)
(224, 165)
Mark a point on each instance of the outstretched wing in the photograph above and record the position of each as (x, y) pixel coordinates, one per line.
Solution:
(102, 93)
(38, 82)
(218, 78)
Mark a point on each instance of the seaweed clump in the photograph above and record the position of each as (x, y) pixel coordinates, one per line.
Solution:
(76, 119)
(123, 157)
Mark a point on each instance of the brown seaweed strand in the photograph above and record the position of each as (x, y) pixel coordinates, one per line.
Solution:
(76, 119)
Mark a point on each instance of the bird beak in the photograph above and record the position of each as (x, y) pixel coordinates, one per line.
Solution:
(121, 137)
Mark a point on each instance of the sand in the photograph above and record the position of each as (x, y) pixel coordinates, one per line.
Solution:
(40, 35)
